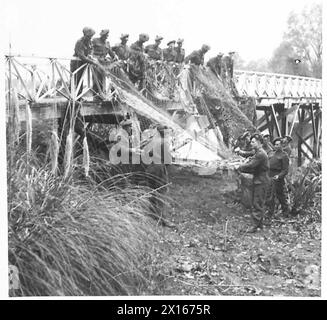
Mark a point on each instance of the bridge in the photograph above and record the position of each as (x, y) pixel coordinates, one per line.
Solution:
(285, 104)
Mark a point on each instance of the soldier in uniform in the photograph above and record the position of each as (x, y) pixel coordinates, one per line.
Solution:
(229, 62)
(137, 60)
(83, 51)
(267, 146)
(245, 149)
(169, 54)
(215, 64)
(121, 49)
(153, 50)
(258, 165)
(104, 54)
(180, 52)
(279, 165)
(197, 56)
(161, 156)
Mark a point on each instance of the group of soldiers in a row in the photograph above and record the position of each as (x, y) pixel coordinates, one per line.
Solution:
(133, 58)
(269, 164)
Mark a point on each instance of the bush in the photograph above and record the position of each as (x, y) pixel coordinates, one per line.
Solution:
(306, 190)
(76, 236)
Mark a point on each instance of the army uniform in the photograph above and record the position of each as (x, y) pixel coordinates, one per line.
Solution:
(101, 51)
(122, 51)
(83, 50)
(229, 66)
(215, 65)
(258, 166)
(180, 52)
(161, 157)
(153, 51)
(169, 55)
(279, 165)
(196, 57)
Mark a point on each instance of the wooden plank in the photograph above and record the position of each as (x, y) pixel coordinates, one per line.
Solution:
(275, 120)
(294, 117)
(306, 144)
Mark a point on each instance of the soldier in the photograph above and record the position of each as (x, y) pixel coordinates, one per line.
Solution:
(161, 156)
(245, 149)
(153, 50)
(258, 166)
(215, 64)
(197, 56)
(104, 54)
(169, 54)
(267, 146)
(83, 50)
(121, 49)
(138, 45)
(180, 52)
(229, 62)
(137, 60)
(279, 165)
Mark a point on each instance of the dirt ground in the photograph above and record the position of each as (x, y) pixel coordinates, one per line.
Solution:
(210, 252)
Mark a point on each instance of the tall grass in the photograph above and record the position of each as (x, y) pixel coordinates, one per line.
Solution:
(306, 190)
(76, 236)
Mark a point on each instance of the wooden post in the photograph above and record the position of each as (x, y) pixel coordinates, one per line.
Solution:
(299, 144)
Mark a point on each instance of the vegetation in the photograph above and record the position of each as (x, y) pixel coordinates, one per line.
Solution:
(75, 235)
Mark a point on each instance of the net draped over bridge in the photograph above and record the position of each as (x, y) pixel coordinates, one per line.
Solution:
(202, 110)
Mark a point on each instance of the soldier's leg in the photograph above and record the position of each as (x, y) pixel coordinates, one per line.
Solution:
(258, 205)
(282, 195)
(270, 199)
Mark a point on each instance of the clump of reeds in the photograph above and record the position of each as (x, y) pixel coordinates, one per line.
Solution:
(306, 189)
(72, 237)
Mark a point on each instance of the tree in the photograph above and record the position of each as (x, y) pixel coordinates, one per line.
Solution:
(284, 61)
(302, 40)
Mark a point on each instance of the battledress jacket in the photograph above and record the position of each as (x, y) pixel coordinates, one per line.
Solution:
(258, 165)
(279, 164)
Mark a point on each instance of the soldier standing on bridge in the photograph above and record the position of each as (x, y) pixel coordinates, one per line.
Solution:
(104, 54)
(215, 64)
(229, 61)
(279, 165)
(121, 49)
(154, 51)
(197, 56)
(180, 52)
(137, 61)
(258, 165)
(169, 53)
(267, 146)
(83, 51)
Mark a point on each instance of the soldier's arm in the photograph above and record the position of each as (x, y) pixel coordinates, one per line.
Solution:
(251, 165)
(80, 54)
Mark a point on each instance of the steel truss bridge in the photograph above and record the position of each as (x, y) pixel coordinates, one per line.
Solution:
(288, 104)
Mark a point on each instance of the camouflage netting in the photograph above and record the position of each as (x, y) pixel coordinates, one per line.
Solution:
(192, 91)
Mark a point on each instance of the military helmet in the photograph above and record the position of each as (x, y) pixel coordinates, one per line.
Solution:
(205, 47)
(143, 37)
(158, 38)
(104, 31)
(171, 41)
(180, 40)
(124, 36)
(289, 138)
(88, 31)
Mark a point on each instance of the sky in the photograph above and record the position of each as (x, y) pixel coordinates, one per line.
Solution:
(253, 28)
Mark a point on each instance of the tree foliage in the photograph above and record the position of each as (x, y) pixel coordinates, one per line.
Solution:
(302, 40)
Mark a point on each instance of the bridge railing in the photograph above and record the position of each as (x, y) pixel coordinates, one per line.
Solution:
(272, 85)
(38, 78)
